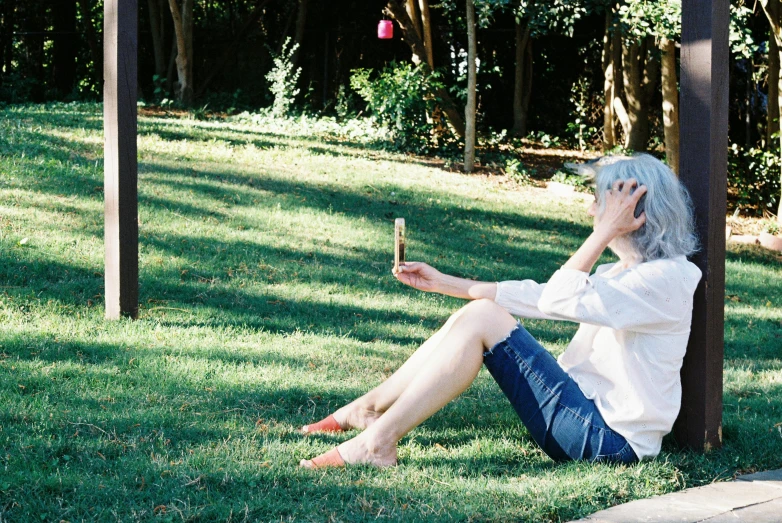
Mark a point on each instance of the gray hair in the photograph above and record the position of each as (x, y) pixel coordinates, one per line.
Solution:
(669, 228)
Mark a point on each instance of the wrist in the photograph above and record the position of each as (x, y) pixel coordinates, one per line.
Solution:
(604, 236)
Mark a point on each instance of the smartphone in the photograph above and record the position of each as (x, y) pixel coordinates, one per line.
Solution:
(640, 206)
(399, 242)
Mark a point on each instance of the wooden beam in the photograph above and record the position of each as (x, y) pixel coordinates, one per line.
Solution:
(120, 66)
(704, 145)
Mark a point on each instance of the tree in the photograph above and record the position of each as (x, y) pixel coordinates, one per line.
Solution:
(183, 26)
(396, 11)
(426, 25)
(612, 79)
(533, 18)
(522, 90)
(772, 10)
(301, 23)
(64, 14)
(469, 109)
(643, 23)
(157, 28)
(670, 87)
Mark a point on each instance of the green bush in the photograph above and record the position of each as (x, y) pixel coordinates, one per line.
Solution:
(399, 98)
(753, 179)
(283, 79)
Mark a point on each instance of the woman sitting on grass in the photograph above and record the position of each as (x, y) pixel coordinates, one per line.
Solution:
(614, 393)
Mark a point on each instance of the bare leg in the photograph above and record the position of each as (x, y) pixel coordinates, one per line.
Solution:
(365, 410)
(450, 366)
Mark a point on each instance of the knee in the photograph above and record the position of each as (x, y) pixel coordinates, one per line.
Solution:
(486, 320)
(481, 309)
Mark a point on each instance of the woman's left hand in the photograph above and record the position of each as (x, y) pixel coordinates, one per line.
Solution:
(618, 218)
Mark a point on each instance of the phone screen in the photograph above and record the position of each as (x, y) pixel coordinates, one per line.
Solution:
(399, 242)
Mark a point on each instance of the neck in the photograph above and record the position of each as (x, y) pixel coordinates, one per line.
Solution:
(627, 257)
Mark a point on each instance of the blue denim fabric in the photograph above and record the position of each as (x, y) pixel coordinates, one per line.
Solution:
(564, 422)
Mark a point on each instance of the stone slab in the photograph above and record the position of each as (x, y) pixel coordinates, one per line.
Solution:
(660, 509)
(772, 478)
(769, 512)
(754, 498)
(728, 496)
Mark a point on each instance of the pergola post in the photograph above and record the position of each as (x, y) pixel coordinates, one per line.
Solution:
(120, 45)
(703, 168)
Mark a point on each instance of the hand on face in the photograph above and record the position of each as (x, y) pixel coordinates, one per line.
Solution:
(618, 217)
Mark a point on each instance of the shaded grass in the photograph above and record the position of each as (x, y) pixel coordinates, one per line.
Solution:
(267, 301)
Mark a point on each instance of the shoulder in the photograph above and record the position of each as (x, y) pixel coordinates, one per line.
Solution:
(678, 272)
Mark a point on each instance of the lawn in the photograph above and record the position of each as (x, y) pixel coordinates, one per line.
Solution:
(266, 302)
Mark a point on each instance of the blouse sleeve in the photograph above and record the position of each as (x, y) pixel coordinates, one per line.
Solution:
(520, 298)
(631, 300)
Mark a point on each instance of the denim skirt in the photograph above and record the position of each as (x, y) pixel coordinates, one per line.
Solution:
(565, 423)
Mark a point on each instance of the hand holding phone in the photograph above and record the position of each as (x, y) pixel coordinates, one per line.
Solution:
(399, 243)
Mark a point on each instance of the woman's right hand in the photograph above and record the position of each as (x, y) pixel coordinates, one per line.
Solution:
(420, 276)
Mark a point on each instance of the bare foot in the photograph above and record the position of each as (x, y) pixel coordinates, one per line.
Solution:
(355, 417)
(359, 450)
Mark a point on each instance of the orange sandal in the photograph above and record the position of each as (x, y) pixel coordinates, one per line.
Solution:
(328, 424)
(331, 458)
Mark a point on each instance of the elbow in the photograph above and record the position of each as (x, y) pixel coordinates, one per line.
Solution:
(546, 305)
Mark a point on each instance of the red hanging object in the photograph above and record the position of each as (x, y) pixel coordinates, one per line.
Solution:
(385, 29)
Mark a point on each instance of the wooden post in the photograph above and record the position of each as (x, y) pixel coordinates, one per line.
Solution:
(704, 145)
(120, 44)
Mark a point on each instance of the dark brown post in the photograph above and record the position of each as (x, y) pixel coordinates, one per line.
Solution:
(120, 43)
(704, 146)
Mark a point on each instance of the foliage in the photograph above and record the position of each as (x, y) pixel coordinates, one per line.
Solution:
(641, 18)
(582, 128)
(543, 17)
(518, 172)
(548, 141)
(771, 226)
(754, 178)
(282, 80)
(399, 97)
(575, 180)
(742, 43)
(16, 88)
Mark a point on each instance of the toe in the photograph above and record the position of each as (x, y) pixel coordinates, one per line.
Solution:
(307, 464)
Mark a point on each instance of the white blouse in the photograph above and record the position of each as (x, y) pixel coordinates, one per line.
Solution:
(628, 350)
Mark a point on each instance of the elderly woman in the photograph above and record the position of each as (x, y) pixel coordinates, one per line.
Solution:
(614, 393)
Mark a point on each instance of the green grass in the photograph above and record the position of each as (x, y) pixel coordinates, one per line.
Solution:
(266, 302)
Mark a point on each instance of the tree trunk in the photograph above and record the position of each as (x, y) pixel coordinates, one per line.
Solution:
(772, 125)
(64, 14)
(520, 80)
(640, 72)
(396, 11)
(171, 65)
(184, 42)
(772, 10)
(426, 23)
(469, 110)
(638, 129)
(188, 22)
(412, 12)
(670, 89)
(301, 24)
(609, 86)
(156, 21)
